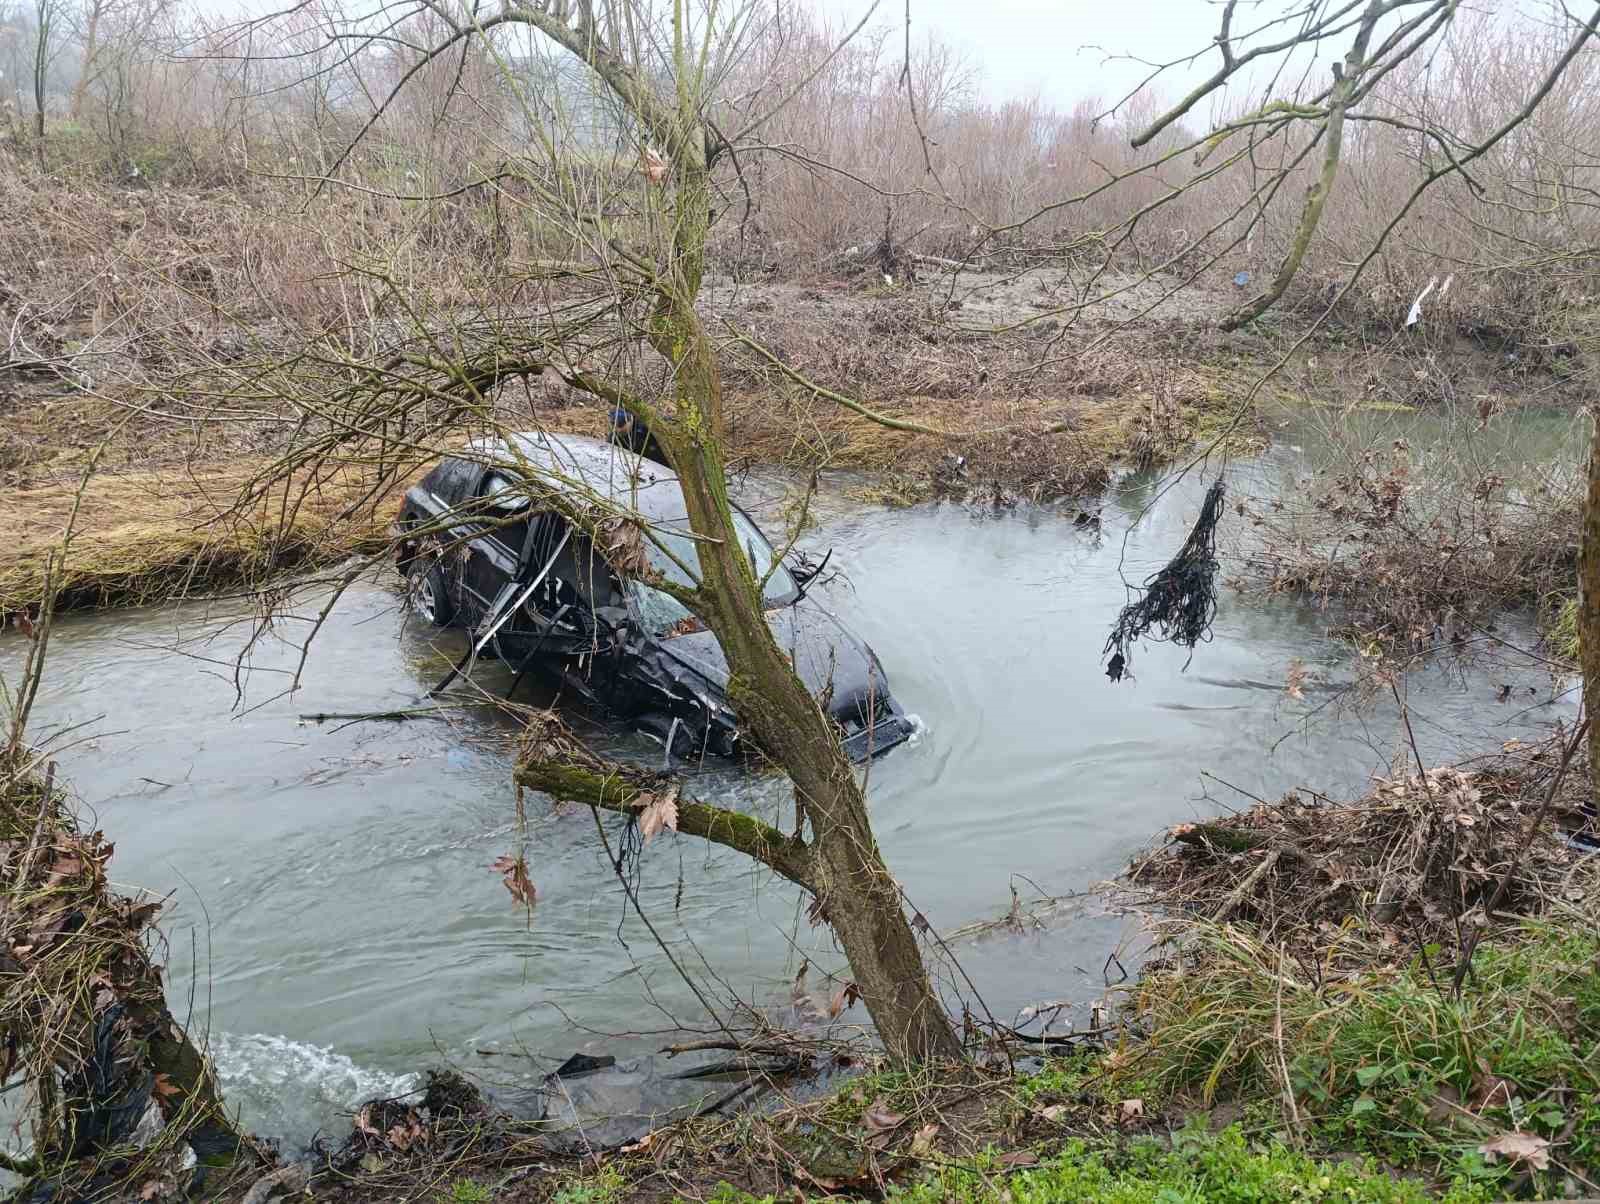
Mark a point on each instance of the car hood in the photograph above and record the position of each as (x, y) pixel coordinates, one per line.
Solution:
(822, 648)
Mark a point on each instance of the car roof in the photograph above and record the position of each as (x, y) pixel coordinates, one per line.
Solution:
(604, 468)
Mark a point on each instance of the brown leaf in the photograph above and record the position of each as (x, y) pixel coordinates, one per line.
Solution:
(1294, 687)
(653, 165)
(805, 1007)
(816, 913)
(922, 1141)
(513, 872)
(844, 999)
(658, 811)
(151, 1190)
(880, 1123)
(1489, 1089)
(364, 1123)
(166, 1088)
(1132, 1109)
(1054, 1112)
(1018, 1158)
(1519, 1148)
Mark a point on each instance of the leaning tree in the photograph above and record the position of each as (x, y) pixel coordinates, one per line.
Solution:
(609, 139)
(604, 182)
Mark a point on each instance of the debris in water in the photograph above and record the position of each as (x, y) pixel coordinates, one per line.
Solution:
(1180, 601)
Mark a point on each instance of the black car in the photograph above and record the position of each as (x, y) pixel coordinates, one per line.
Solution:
(478, 553)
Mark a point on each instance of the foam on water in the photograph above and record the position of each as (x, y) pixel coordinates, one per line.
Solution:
(292, 1089)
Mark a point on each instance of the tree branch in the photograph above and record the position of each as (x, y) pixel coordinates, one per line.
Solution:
(552, 762)
(1317, 196)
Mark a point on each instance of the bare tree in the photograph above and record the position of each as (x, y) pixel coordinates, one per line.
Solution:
(615, 216)
(44, 35)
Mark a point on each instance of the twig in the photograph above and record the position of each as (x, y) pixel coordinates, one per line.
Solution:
(1532, 830)
(1238, 893)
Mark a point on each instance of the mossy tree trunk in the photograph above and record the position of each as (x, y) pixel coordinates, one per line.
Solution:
(857, 894)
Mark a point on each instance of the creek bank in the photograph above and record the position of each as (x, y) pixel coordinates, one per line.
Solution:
(1300, 1035)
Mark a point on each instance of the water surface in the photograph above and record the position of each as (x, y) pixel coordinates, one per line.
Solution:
(335, 924)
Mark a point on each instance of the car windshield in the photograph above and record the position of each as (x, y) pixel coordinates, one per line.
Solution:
(664, 614)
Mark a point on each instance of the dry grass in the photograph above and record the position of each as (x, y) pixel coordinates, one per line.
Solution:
(147, 536)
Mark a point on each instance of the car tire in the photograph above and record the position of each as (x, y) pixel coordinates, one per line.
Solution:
(430, 596)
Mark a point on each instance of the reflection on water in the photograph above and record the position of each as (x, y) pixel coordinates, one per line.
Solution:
(337, 925)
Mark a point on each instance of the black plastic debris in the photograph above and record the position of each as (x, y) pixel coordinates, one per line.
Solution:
(1178, 603)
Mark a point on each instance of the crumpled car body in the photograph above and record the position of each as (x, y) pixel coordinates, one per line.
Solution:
(485, 546)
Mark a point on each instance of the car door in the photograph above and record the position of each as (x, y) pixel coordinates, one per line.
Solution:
(498, 529)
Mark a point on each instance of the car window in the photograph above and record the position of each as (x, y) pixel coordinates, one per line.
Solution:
(505, 501)
(661, 613)
(451, 479)
(503, 493)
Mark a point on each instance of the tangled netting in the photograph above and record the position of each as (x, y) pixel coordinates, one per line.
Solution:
(1180, 601)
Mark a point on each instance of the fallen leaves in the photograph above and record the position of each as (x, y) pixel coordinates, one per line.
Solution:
(1519, 1149)
(513, 873)
(1295, 685)
(843, 999)
(880, 1122)
(1130, 1110)
(165, 1088)
(922, 1141)
(657, 812)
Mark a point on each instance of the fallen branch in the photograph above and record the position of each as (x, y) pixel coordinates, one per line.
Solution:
(1245, 887)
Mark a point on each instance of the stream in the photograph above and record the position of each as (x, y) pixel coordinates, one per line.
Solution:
(335, 924)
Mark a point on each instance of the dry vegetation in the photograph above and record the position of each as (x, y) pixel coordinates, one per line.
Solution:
(190, 213)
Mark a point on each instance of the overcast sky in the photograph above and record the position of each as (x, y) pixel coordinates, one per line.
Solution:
(1023, 46)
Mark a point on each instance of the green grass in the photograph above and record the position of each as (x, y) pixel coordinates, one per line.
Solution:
(1392, 1064)
(606, 1186)
(1561, 632)
(1198, 1167)
(467, 1191)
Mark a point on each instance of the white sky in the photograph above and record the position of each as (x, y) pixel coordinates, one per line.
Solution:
(1044, 46)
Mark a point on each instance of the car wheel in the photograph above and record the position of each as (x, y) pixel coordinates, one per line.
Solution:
(429, 596)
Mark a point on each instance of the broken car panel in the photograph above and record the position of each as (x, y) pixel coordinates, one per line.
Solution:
(480, 553)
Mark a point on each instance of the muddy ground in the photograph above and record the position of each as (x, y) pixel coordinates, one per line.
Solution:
(1035, 393)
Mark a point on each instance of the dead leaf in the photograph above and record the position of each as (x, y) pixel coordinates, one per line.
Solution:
(513, 872)
(166, 1088)
(843, 1000)
(922, 1141)
(1489, 1089)
(1018, 1158)
(1054, 1112)
(880, 1122)
(1132, 1109)
(653, 165)
(150, 1190)
(657, 812)
(1294, 686)
(364, 1123)
(805, 1007)
(1519, 1149)
(816, 913)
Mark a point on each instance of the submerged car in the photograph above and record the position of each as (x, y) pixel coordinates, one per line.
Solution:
(485, 546)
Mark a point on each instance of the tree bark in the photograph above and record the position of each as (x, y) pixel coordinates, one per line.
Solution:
(91, 51)
(1589, 606)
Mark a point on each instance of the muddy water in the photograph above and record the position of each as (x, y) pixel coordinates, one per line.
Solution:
(335, 923)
